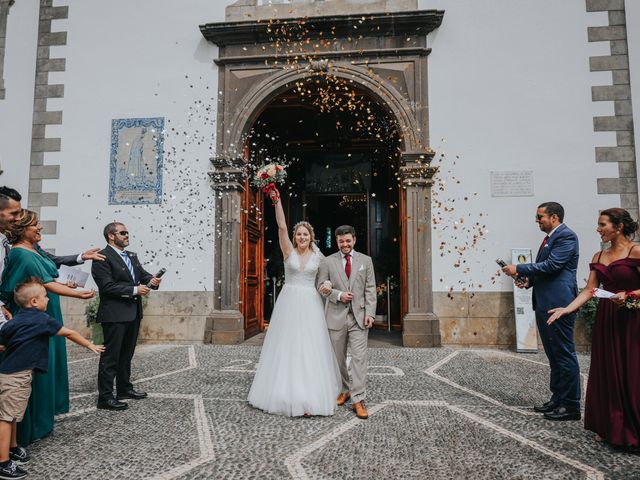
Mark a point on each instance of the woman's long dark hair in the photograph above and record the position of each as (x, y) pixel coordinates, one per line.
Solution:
(619, 216)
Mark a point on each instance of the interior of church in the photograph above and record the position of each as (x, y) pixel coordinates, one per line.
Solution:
(342, 160)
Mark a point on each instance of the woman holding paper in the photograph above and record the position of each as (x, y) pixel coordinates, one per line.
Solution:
(612, 407)
(50, 391)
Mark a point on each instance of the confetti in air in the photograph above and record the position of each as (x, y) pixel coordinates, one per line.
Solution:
(459, 232)
(340, 110)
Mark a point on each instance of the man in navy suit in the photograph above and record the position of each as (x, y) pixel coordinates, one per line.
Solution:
(553, 278)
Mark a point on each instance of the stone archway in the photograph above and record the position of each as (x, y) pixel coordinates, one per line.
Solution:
(394, 71)
(263, 92)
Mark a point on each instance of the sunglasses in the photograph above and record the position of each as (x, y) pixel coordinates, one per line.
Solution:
(540, 217)
(124, 233)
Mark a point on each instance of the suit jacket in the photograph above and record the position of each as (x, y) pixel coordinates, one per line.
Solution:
(553, 275)
(68, 260)
(115, 286)
(362, 283)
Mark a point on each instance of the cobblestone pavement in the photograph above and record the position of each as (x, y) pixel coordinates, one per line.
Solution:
(434, 413)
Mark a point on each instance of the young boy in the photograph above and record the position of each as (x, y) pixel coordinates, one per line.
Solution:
(25, 340)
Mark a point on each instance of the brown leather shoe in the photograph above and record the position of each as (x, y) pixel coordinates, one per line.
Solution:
(342, 398)
(361, 410)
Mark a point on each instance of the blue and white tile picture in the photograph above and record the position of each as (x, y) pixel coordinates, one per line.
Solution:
(136, 161)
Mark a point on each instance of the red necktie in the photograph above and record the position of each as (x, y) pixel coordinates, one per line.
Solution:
(544, 242)
(347, 266)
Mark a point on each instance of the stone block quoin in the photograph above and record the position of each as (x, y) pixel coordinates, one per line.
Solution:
(619, 92)
(40, 143)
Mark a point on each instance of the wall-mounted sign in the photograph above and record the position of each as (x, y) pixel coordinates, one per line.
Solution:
(517, 183)
(526, 333)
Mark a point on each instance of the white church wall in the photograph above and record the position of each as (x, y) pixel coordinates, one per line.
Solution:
(16, 109)
(130, 60)
(510, 90)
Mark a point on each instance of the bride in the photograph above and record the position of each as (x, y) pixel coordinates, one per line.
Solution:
(298, 373)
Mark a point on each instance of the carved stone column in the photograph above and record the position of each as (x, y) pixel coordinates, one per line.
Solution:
(421, 327)
(226, 325)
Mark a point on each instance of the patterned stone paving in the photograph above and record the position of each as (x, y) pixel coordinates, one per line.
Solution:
(434, 413)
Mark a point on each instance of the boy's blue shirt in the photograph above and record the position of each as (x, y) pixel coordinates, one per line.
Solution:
(26, 339)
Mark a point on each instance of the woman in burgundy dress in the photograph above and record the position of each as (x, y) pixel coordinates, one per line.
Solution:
(612, 406)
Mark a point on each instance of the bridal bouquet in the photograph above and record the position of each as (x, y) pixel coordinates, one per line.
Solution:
(632, 302)
(267, 177)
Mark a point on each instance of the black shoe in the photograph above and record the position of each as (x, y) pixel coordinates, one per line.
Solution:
(132, 394)
(546, 407)
(112, 404)
(561, 414)
(12, 471)
(19, 455)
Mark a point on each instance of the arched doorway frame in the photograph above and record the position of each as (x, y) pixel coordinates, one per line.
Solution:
(249, 79)
(264, 92)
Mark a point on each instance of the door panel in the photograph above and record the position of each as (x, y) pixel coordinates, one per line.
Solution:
(404, 301)
(252, 265)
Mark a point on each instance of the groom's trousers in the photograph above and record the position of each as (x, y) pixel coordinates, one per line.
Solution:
(353, 338)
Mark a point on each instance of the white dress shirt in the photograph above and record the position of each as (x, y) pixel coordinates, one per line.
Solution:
(344, 264)
(4, 250)
(553, 231)
(344, 258)
(119, 252)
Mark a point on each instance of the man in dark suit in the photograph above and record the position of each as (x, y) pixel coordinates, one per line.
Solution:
(553, 278)
(122, 282)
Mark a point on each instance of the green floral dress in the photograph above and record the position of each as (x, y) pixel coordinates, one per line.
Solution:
(50, 391)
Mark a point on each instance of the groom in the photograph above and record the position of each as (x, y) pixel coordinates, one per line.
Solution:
(349, 312)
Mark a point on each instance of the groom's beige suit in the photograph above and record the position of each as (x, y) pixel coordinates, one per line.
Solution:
(345, 321)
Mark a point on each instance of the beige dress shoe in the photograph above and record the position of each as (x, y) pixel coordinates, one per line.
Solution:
(342, 398)
(361, 410)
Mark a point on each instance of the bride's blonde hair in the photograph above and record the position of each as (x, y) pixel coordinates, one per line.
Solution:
(308, 226)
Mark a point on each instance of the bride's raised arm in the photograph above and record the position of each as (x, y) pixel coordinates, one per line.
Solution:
(283, 232)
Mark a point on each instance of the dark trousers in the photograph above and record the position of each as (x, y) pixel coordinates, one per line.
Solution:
(120, 340)
(557, 340)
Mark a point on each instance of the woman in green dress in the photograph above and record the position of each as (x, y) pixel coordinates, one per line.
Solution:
(50, 391)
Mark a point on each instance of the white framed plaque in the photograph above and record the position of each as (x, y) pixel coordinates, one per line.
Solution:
(526, 333)
(518, 183)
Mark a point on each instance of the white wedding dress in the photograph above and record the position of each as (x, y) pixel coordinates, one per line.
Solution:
(298, 373)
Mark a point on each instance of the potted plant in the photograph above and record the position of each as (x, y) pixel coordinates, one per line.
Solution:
(91, 315)
(587, 314)
(381, 303)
